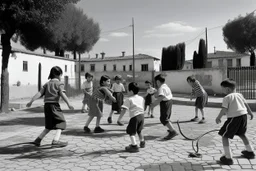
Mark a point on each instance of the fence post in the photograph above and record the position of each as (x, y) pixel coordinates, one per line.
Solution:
(66, 82)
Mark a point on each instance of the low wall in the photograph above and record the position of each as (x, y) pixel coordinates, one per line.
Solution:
(210, 79)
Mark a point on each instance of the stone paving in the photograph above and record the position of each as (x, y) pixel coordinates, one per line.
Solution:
(105, 151)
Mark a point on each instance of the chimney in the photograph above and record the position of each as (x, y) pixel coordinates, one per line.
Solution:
(97, 56)
(123, 53)
(102, 55)
(214, 50)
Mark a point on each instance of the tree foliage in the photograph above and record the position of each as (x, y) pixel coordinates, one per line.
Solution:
(28, 19)
(173, 57)
(195, 60)
(240, 34)
(200, 58)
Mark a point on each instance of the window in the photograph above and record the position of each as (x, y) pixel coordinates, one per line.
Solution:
(105, 67)
(114, 67)
(220, 62)
(25, 66)
(75, 68)
(187, 67)
(144, 67)
(92, 67)
(209, 64)
(67, 55)
(82, 68)
(66, 68)
(238, 62)
(130, 67)
(124, 68)
(229, 62)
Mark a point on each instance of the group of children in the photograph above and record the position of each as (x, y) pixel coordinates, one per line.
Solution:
(234, 106)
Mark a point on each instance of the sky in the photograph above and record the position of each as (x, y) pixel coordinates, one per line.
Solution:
(161, 23)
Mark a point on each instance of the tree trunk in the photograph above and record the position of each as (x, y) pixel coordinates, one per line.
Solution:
(74, 52)
(57, 52)
(39, 77)
(6, 44)
(252, 58)
(62, 52)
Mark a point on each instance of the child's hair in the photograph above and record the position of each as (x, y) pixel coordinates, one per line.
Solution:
(191, 79)
(103, 78)
(160, 78)
(55, 72)
(230, 83)
(118, 77)
(148, 82)
(133, 87)
(88, 75)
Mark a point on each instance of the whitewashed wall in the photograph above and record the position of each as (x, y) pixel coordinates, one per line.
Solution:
(209, 78)
(29, 79)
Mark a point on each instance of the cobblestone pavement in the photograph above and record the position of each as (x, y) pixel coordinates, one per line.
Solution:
(105, 151)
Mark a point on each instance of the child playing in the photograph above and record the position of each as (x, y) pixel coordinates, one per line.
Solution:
(235, 107)
(87, 88)
(54, 118)
(201, 97)
(149, 98)
(135, 104)
(118, 90)
(165, 100)
(96, 103)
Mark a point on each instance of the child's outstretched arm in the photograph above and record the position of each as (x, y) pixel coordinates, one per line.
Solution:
(109, 94)
(123, 111)
(157, 101)
(249, 110)
(222, 112)
(35, 97)
(65, 98)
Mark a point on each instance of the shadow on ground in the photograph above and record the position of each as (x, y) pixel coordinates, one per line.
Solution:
(40, 109)
(35, 121)
(106, 134)
(176, 166)
(101, 152)
(27, 150)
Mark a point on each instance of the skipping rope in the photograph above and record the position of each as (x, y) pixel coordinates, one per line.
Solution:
(195, 146)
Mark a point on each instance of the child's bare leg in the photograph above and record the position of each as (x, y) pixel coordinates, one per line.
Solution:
(226, 148)
(98, 121)
(133, 140)
(196, 112)
(170, 126)
(141, 137)
(57, 135)
(246, 142)
(89, 121)
(110, 116)
(202, 112)
(43, 134)
(83, 106)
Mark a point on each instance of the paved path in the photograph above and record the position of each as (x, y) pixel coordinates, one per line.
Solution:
(105, 151)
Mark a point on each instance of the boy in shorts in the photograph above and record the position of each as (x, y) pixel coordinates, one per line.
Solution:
(164, 98)
(135, 104)
(235, 107)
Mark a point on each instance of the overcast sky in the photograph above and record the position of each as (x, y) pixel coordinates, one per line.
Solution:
(160, 23)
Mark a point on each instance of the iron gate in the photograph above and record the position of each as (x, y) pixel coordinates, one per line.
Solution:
(245, 78)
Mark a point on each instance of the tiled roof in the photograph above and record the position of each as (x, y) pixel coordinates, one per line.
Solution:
(137, 56)
(225, 54)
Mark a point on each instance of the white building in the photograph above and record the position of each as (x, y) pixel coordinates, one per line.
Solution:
(120, 63)
(223, 59)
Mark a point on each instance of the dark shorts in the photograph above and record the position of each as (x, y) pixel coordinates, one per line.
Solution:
(148, 99)
(234, 126)
(86, 99)
(165, 111)
(54, 118)
(135, 125)
(119, 101)
(201, 101)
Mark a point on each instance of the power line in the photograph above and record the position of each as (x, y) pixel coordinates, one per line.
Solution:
(191, 40)
(109, 31)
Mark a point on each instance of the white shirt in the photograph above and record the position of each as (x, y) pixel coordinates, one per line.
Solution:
(118, 87)
(165, 91)
(135, 105)
(235, 103)
(87, 86)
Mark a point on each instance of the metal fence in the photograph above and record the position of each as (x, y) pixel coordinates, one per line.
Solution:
(245, 78)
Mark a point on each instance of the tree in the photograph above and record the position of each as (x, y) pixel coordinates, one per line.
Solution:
(240, 35)
(173, 57)
(195, 60)
(28, 19)
(202, 54)
(74, 32)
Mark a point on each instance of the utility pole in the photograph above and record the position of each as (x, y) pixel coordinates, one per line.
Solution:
(206, 40)
(133, 60)
(79, 71)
